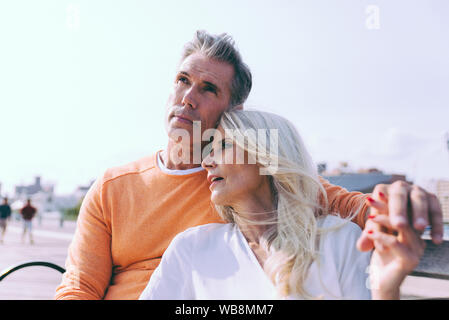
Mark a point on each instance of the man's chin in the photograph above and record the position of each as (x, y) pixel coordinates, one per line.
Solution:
(180, 133)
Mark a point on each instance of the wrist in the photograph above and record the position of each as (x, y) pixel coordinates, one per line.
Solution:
(387, 288)
(392, 294)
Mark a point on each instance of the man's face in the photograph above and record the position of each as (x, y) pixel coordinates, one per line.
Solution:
(201, 92)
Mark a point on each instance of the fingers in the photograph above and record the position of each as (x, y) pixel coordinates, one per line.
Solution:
(382, 220)
(407, 236)
(386, 241)
(425, 208)
(393, 201)
(397, 194)
(380, 196)
(436, 219)
(375, 207)
(363, 242)
(420, 208)
(379, 208)
(409, 257)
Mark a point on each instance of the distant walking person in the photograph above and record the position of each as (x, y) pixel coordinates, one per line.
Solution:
(28, 212)
(5, 213)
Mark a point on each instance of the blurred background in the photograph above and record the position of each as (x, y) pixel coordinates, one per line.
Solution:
(83, 87)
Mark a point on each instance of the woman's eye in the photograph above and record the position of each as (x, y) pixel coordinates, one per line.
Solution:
(225, 145)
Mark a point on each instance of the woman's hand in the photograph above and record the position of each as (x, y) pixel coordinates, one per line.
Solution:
(396, 253)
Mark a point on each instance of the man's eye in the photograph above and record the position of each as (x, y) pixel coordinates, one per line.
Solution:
(183, 80)
(210, 89)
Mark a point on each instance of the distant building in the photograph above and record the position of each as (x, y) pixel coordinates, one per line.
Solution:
(27, 191)
(364, 180)
(42, 196)
(81, 191)
(442, 192)
(322, 167)
(63, 202)
(48, 204)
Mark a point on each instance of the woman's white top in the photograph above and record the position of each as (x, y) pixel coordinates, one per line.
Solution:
(214, 261)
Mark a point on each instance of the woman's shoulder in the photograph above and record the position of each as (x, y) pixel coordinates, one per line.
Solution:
(338, 226)
(205, 230)
(338, 239)
(204, 233)
(343, 265)
(338, 234)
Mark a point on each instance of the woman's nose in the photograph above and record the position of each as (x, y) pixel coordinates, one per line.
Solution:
(209, 162)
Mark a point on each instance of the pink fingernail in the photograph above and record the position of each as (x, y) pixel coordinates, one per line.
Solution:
(399, 221)
(421, 223)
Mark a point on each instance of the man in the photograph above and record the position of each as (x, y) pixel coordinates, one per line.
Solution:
(5, 213)
(28, 212)
(131, 214)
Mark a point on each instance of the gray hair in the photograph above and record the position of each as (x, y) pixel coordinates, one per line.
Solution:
(222, 48)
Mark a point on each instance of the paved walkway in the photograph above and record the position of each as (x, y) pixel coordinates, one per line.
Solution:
(51, 243)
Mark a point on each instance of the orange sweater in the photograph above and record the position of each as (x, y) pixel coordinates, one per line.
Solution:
(129, 217)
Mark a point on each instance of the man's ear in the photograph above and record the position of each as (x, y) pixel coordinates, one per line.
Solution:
(237, 107)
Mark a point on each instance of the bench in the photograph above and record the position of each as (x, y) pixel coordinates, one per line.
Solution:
(434, 263)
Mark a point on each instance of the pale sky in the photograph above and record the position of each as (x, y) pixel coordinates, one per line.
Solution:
(83, 84)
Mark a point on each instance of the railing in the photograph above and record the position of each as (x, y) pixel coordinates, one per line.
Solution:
(435, 262)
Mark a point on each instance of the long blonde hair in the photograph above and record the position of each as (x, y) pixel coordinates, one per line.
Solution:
(292, 233)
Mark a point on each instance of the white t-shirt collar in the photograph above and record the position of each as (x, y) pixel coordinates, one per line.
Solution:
(175, 172)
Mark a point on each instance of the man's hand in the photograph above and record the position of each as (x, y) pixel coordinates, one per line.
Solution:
(407, 205)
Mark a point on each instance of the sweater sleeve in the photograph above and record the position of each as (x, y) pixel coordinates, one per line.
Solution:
(89, 262)
(346, 203)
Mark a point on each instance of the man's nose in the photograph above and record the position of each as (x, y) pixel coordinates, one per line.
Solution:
(189, 98)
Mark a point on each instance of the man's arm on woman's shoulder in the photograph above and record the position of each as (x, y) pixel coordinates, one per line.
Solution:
(89, 262)
(346, 203)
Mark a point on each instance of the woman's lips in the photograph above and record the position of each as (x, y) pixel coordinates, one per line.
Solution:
(214, 183)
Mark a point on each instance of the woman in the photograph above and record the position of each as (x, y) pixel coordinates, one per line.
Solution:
(278, 242)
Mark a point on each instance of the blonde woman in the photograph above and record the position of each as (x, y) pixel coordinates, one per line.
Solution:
(278, 242)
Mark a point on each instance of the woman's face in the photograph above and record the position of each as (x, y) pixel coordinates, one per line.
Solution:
(233, 183)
